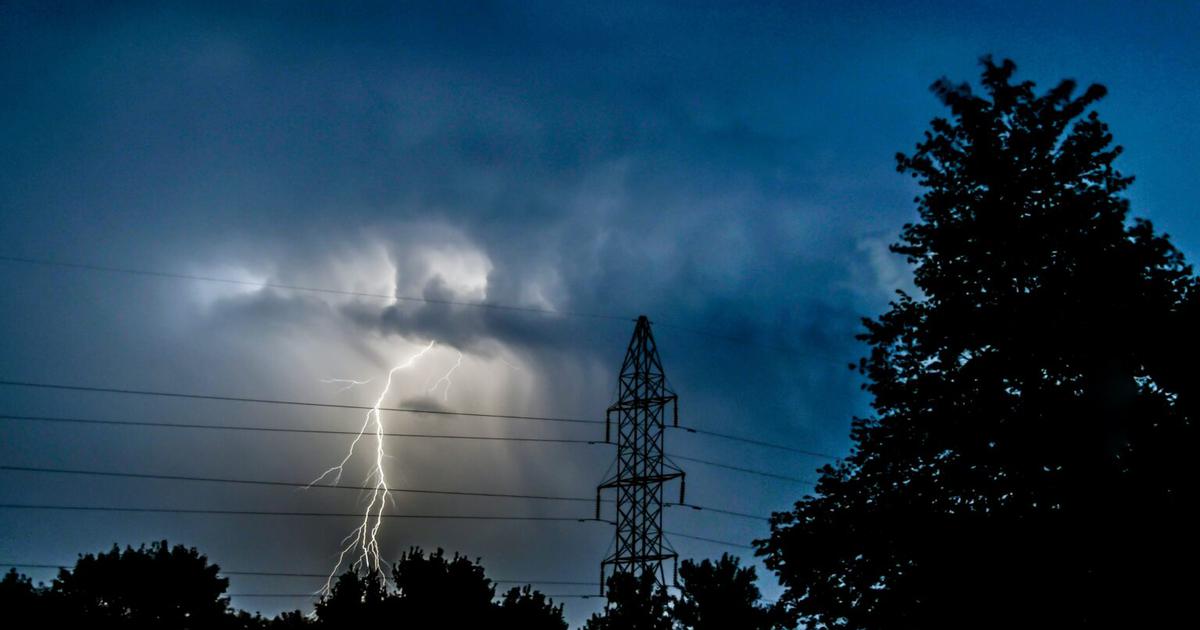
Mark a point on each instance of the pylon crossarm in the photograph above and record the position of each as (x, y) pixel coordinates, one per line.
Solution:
(643, 558)
(642, 403)
(641, 481)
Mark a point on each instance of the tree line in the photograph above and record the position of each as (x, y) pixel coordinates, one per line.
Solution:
(165, 587)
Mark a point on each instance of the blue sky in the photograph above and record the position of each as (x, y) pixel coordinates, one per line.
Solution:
(718, 166)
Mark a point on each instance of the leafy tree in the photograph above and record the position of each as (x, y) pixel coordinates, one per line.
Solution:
(288, 621)
(436, 591)
(114, 590)
(242, 620)
(19, 598)
(523, 607)
(721, 595)
(432, 591)
(355, 601)
(149, 587)
(634, 603)
(1034, 407)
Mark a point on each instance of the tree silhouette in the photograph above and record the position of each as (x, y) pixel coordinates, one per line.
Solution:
(355, 601)
(1026, 461)
(435, 591)
(20, 599)
(287, 621)
(432, 591)
(155, 587)
(523, 607)
(148, 587)
(162, 587)
(242, 620)
(720, 595)
(634, 603)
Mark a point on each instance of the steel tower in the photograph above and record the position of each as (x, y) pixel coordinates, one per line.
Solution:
(642, 469)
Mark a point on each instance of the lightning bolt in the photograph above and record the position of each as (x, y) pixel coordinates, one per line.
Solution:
(348, 381)
(446, 379)
(515, 367)
(363, 541)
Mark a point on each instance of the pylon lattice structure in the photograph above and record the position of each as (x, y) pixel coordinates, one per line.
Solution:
(641, 467)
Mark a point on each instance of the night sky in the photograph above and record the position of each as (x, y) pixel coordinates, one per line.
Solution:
(725, 168)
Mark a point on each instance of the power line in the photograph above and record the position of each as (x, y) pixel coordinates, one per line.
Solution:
(287, 574)
(410, 410)
(279, 595)
(749, 471)
(27, 565)
(225, 427)
(153, 510)
(215, 512)
(715, 541)
(736, 438)
(760, 600)
(228, 427)
(288, 484)
(574, 595)
(702, 508)
(296, 403)
(293, 484)
(292, 287)
(315, 595)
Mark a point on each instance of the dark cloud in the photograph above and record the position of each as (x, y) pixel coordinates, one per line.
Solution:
(724, 170)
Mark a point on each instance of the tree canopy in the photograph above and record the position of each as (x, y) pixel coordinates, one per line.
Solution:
(434, 591)
(156, 586)
(164, 587)
(634, 603)
(721, 594)
(1025, 462)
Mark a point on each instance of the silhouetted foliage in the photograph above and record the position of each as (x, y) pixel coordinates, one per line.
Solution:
(148, 587)
(243, 620)
(355, 601)
(634, 603)
(161, 587)
(20, 599)
(288, 621)
(155, 587)
(1027, 462)
(433, 591)
(721, 595)
(523, 607)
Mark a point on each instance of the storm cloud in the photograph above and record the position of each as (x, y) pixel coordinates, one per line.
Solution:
(725, 170)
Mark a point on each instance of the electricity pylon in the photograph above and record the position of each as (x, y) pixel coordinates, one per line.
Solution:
(642, 469)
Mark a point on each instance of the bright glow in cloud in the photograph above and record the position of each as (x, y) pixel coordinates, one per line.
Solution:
(461, 270)
(207, 294)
